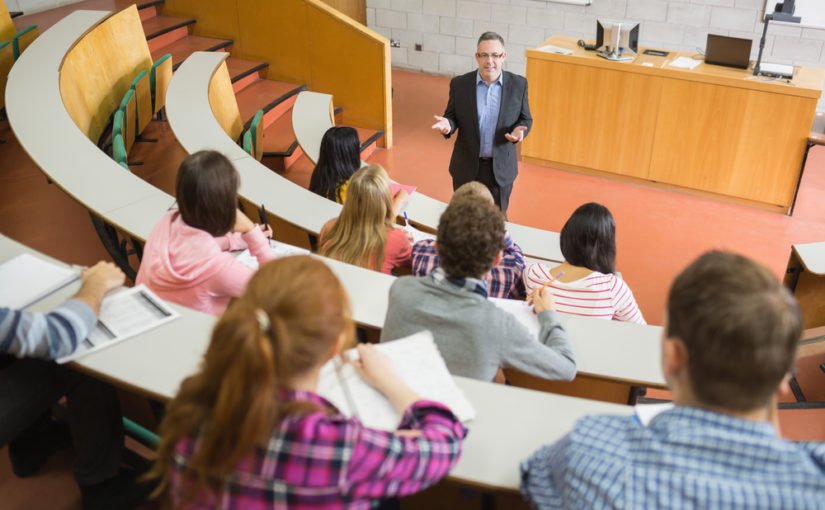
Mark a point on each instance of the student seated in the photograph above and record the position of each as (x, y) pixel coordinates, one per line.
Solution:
(474, 336)
(364, 234)
(504, 279)
(185, 259)
(728, 345)
(31, 383)
(589, 286)
(339, 158)
(249, 431)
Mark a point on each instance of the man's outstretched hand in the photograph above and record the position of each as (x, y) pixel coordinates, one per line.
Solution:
(517, 135)
(442, 125)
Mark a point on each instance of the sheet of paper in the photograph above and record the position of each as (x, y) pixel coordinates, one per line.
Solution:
(417, 362)
(26, 279)
(280, 249)
(549, 48)
(684, 63)
(521, 310)
(124, 315)
(646, 412)
(418, 235)
(394, 186)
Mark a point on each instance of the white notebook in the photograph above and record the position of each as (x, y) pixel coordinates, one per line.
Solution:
(123, 315)
(26, 279)
(280, 249)
(416, 361)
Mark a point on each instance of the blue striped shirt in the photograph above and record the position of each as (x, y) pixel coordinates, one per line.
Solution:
(488, 102)
(685, 458)
(49, 336)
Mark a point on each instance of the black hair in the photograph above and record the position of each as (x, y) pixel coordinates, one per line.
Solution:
(339, 158)
(588, 239)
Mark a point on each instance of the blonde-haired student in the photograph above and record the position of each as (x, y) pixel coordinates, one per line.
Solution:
(364, 234)
(248, 430)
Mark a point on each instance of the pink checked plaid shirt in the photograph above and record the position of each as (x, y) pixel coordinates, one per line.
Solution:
(326, 461)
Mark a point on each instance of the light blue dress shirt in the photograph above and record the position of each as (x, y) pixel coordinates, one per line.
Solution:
(686, 458)
(488, 102)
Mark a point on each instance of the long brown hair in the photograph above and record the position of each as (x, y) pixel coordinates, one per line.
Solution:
(288, 321)
(359, 235)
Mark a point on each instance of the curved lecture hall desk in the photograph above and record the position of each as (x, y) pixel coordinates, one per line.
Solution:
(53, 141)
(155, 362)
(711, 130)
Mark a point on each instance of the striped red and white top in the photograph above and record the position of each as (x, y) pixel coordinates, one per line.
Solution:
(605, 296)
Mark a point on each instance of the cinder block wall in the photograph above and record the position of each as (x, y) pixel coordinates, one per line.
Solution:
(446, 30)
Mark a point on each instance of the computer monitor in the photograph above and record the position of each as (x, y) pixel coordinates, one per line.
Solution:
(614, 38)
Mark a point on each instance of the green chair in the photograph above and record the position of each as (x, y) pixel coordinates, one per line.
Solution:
(128, 107)
(119, 152)
(159, 77)
(141, 435)
(253, 137)
(23, 38)
(143, 103)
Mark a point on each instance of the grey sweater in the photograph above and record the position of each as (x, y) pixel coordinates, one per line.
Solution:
(474, 336)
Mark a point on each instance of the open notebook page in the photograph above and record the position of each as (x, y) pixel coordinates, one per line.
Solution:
(280, 249)
(521, 310)
(124, 315)
(416, 361)
(26, 279)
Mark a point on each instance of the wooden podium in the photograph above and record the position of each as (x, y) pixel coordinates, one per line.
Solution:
(712, 130)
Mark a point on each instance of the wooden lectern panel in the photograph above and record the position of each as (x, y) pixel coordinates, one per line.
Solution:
(734, 141)
(604, 124)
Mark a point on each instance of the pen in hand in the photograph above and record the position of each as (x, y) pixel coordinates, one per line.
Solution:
(535, 293)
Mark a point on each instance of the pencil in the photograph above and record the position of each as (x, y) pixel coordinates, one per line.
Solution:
(535, 293)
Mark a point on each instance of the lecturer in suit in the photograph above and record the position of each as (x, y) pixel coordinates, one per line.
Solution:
(489, 109)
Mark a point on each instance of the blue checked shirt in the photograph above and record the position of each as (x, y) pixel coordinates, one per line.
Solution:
(685, 458)
(504, 280)
(488, 102)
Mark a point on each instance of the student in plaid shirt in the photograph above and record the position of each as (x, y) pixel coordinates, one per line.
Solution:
(248, 430)
(729, 341)
(504, 279)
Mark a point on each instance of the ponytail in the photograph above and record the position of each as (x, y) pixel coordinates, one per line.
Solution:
(286, 324)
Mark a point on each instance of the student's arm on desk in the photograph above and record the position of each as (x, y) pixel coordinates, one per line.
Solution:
(49, 336)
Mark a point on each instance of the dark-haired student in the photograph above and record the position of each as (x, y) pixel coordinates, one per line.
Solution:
(474, 336)
(339, 158)
(249, 430)
(589, 286)
(30, 383)
(185, 259)
(729, 341)
(503, 279)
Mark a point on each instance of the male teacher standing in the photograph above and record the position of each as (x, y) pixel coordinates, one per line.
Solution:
(489, 109)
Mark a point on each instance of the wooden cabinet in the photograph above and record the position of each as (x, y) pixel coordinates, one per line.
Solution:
(711, 130)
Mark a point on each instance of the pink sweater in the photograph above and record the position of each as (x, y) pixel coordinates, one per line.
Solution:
(188, 266)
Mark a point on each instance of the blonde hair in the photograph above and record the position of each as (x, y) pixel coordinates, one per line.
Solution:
(473, 189)
(288, 321)
(359, 235)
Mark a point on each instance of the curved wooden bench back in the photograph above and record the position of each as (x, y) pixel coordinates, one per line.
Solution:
(99, 69)
(223, 102)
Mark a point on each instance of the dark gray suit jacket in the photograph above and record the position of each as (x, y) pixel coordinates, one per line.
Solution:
(462, 113)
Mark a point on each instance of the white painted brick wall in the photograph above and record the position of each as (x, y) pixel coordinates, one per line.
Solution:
(448, 29)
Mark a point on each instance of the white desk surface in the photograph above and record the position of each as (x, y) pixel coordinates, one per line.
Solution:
(310, 120)
(511, 423)
(51, 138)
(812, 256)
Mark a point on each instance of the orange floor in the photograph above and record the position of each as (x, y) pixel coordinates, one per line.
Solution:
(658, 231)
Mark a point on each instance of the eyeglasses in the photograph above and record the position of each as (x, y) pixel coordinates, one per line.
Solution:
(485, 56)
